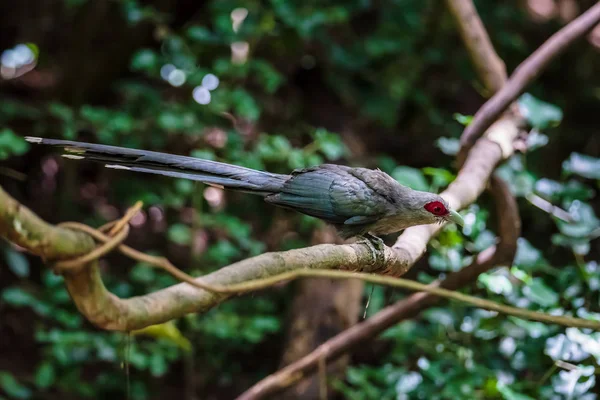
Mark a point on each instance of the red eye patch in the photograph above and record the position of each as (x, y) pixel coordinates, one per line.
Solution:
(436, 208)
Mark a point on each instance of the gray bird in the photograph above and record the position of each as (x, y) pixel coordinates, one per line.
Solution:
(357, 201)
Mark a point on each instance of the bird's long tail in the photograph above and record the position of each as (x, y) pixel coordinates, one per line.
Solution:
(210, 172)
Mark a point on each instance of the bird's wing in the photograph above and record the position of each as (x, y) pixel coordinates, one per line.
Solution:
(332, 194)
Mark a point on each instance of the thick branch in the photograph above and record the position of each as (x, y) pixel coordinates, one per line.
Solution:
(527, 72)
(110, 312)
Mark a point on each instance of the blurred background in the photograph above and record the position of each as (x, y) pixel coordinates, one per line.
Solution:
(279, 85)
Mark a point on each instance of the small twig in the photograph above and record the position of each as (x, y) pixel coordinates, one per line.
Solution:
(160, 262)
(526, 72)
(11, 173)
(76, 264)
(118, 233)
(131, 212)
(417, 287)
(322, 378)
(489, 65)
(548, 207)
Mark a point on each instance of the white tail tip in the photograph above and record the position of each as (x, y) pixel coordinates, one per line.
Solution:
(32, 139)
(114, 166)
(72, 156)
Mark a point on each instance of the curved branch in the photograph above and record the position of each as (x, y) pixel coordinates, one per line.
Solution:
(489, 65)
(527, 72)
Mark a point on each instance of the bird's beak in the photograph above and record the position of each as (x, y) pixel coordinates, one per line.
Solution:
(456, 218)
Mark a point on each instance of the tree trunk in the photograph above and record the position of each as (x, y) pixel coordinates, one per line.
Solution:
(322, 309)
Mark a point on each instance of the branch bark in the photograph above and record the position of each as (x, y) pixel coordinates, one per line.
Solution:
(489, 65)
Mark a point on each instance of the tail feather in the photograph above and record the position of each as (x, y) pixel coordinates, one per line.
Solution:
(210, 172)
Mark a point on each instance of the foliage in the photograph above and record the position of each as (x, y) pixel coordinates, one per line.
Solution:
(320, 81)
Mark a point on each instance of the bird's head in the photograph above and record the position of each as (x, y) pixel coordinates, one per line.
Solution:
(431, 208)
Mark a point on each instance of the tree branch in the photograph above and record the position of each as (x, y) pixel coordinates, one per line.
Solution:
(489, 65)
(527, 72)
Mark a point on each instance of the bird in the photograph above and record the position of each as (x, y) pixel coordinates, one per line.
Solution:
(358, 202)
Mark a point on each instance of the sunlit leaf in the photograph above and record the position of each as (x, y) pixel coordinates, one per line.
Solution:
(411, 177)
(582, 165)
(540, 114)
(17, 262)
(538, 292)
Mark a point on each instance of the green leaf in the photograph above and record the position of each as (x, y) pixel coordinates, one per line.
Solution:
(61, 111)
(463, 119)
(582, 165)
(539, 293)
(528, 257)
(538, 113)
(144, 60)
(330, 144)
(45, 375)
(535, 140)
(18, 297)
(584, 222)
(496, 283)
(569, 191)
(12, 387)
(180, 234)
(509, 394)
(448, 146)
(441, 177)
(17, 262)
(158, 364)
(201, 34)
(411, 177)
(11, 144)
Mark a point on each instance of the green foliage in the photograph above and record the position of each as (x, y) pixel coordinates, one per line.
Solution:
(392, 73)
(539, 114)
(11, 144)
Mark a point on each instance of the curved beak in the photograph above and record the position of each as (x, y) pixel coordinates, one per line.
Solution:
(456, 218)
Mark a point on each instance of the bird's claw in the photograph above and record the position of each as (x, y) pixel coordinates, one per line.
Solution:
(376, 245)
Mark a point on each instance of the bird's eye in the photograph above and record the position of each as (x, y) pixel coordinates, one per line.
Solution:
(436, 208)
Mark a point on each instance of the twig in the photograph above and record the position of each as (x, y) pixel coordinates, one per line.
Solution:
(131, 212)
(73, 266)
(11, 173)
(322, 378)
(417, 287)
(548, 207)
(160, 262)
(117, 234)
(527, 72)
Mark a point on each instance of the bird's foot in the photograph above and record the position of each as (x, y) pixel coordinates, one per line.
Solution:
(376, 245)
